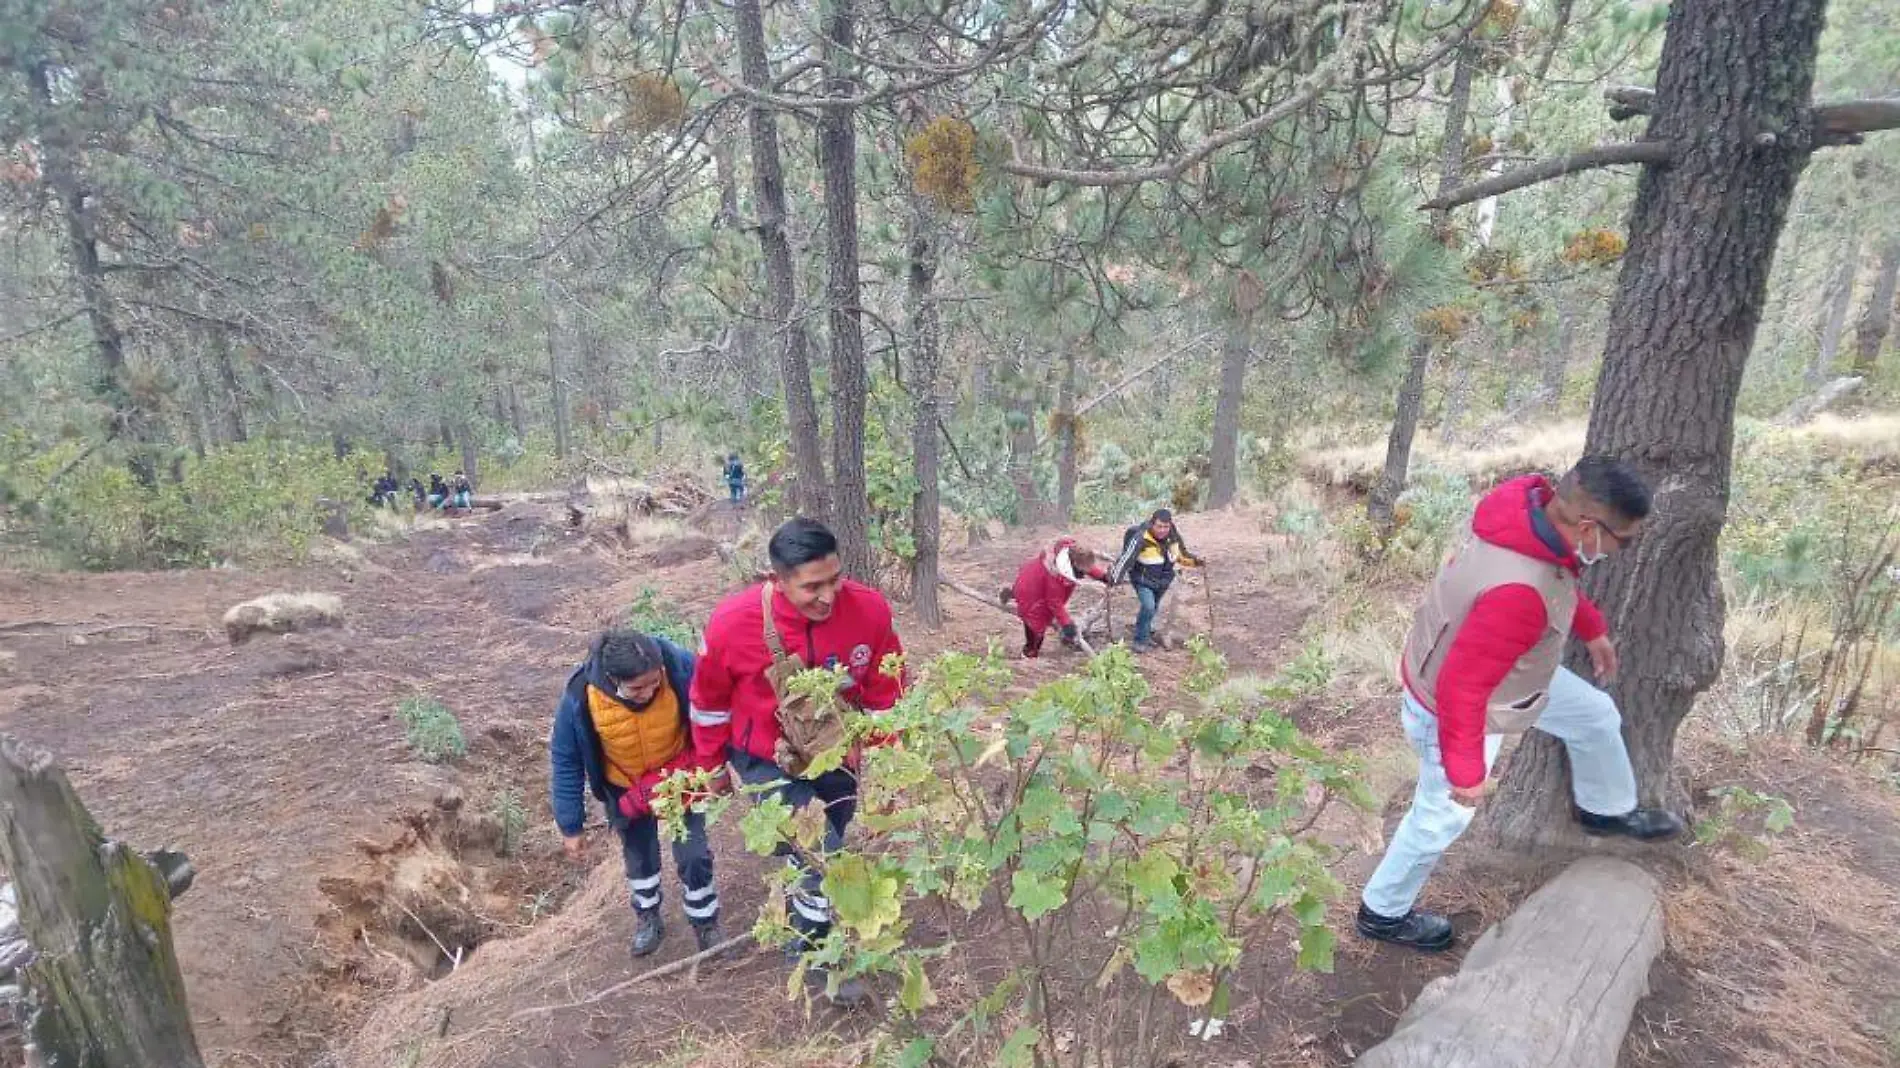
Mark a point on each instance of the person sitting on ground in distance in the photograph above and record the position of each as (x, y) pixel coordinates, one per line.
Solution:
(622, 726)
(1483, 662)
(1043, 586)
(461, 492)
(1149, 554)
(438, 490)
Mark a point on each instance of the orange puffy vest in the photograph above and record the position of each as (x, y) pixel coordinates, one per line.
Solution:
(635, 741)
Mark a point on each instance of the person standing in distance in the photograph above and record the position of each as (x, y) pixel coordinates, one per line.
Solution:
(807, 614)
(1483, 661)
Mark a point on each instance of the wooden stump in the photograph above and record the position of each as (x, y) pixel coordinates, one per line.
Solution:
(104, 990)
(1553, 985)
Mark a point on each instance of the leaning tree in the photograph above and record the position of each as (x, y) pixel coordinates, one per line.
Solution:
(1730, 128)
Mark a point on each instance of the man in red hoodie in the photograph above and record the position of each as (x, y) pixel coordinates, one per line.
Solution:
(822, 619)
(1042, 590)
(1483, 661)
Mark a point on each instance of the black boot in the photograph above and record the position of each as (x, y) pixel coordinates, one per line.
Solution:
(1644, 824)
(1418, 929)
(708, 935)
(648, 930)
(849, 995)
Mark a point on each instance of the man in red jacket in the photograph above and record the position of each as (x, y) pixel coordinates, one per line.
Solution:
(824, 620)
(1042, 590)
(1483, 661)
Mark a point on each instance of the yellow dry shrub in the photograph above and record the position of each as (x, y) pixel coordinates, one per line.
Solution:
(943, 162)
(1446, 322)
(1597, 246)
(654, 102)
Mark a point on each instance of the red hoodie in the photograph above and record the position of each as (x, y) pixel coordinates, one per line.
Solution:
(731, 700)
(1042, 593)
(1504, 624)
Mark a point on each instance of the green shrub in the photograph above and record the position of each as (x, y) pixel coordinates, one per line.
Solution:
(1744, 821)
(1077, 806)
(433, 733)
(649, 614)
(511, 821)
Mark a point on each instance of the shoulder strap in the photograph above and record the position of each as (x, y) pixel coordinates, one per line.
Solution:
(772, 640)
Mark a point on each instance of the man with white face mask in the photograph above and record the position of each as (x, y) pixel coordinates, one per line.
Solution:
(1483, 661)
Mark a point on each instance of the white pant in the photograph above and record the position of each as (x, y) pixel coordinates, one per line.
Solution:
(1583, 717)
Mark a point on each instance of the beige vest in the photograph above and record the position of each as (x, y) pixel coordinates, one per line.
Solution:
(1476, 567)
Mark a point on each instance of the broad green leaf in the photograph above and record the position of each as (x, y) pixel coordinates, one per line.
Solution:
(1035, 895)
(1316, 949)
(1019, 1050)
(863, 896)
(764, 826)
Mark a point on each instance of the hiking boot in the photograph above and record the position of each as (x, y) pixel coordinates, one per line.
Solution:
(708, 935)
(1417, 929)
(1142, 648)
(850, 994)
(1644, 824)
(648, 930)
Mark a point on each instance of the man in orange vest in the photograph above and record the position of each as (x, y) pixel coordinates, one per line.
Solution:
(621, 727)
(1483, 661)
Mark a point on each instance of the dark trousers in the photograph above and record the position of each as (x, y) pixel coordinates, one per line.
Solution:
(837, 790)
(1032, 641)
(640, 848)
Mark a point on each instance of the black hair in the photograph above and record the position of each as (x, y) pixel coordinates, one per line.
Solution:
(1613, 483)
(626, 654)
(1162, 515)
(800, 541)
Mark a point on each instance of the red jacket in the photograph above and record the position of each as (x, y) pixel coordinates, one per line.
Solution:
(1503, 624)
(733, 704)
(1041, 591)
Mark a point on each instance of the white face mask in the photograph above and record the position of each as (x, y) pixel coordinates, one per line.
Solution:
(1587, 559)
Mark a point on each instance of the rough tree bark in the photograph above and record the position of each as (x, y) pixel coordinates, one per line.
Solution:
(781, 276)
(1224, 478)
(1398, 446)
(1876, 316)
(1553, 985)
(105, 990)
(1732, 96)
(1838, 301)
(1066, 438)
(838, 163)
(233, 405)
(926, 332)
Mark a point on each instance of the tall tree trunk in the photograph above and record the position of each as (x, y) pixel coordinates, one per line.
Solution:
(1224, 479)
(781, 278)
(1380, 504)
(1876, 316)
(838, 162)
(926, 332)
(131, 423)
(1066, 438)
(233, 403)
(1500, 135)
(471, 453)
(517, 419)
(1020, 398)
(1839, 300)
(1688, 303)
(551, 320)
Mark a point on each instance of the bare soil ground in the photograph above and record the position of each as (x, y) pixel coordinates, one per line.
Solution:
(339, 876)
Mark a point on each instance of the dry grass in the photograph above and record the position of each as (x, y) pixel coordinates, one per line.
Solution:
(1873, 438)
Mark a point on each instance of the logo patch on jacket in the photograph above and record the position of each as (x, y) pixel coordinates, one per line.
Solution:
(861, 657)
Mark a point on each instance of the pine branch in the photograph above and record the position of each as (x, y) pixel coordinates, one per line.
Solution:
(1653, 152)
(1842, 122)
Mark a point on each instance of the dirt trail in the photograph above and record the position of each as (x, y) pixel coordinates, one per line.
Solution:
(330, 859)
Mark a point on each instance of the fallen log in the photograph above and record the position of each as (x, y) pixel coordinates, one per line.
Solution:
(974, 595)
(1553, 985)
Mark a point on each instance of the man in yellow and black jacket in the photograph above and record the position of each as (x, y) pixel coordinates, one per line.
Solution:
(1149, 554)
(622, 727)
